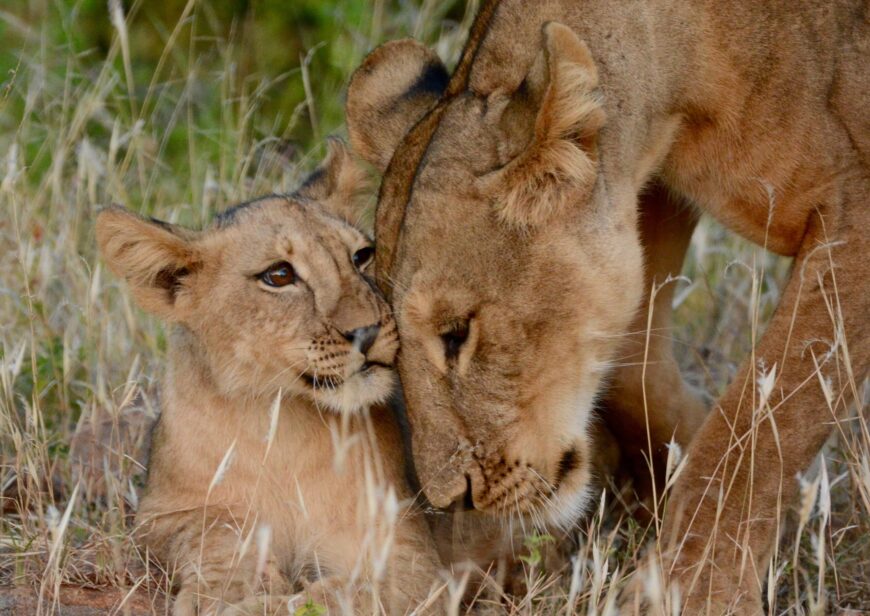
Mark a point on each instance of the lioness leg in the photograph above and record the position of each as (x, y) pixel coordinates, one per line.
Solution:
(721, 521)
(647, 390)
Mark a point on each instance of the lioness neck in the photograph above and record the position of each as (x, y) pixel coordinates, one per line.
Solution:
(687, 93)
(644, 52)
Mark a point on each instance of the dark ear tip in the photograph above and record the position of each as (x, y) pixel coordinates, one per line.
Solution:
(393, 57)
(392, 89)
(433, 80)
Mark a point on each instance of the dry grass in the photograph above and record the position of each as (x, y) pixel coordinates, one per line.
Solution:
(78, 362)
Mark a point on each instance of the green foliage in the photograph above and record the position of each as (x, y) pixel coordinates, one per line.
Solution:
(535, 544)
(311, 609)
(243, 48)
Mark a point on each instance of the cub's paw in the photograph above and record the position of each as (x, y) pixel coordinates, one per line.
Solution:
(195, 602)
(263, 605)
(324, 596)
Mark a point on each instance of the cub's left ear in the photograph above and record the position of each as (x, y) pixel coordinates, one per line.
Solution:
(559, 107)
(340, 185)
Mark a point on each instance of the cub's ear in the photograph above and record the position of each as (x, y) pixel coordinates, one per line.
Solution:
(156, 259)
(340, 185)
(391, 91)
(559, 107)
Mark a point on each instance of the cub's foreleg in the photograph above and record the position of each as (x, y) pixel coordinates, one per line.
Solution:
(215, 563)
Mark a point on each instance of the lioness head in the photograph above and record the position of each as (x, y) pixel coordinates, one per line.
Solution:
(510, 277)
(275, 293)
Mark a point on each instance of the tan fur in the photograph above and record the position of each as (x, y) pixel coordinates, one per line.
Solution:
(245, 499)
(489, 224)
(555, 163)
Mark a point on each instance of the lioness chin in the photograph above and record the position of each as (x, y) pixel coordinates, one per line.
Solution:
(274, 458)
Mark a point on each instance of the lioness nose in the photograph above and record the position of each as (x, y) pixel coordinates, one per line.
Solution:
(363, 337)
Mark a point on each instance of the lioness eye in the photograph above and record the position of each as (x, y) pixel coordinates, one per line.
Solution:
(454, 338)
(363, 257)
(278, 275)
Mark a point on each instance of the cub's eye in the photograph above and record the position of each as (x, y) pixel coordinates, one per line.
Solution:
(363, 257)
(278, 275)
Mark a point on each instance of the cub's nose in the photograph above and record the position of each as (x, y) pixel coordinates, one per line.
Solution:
(363, 337)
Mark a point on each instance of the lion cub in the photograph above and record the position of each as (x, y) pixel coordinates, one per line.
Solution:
(274, 459)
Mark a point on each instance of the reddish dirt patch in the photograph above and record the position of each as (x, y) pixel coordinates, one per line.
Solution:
(73, 601)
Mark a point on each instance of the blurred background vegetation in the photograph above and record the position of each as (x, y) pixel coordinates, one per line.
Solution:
(184, 73)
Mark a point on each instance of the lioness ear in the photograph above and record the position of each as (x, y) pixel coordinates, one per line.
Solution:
(154, 258)
(340, 185)
(394, 87)
(558, 167)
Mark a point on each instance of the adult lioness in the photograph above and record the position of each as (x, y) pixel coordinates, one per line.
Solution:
(274, 456)
(530, 201)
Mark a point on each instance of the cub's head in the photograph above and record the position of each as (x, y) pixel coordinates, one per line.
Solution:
(509, 272)
(274, 294)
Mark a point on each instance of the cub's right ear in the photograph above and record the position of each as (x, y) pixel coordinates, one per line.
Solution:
(155, 258)
(391, 91)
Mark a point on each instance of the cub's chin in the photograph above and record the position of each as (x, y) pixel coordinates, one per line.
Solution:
(368, 387)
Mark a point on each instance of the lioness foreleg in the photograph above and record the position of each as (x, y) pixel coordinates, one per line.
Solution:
(807, 371)
(648, 393)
